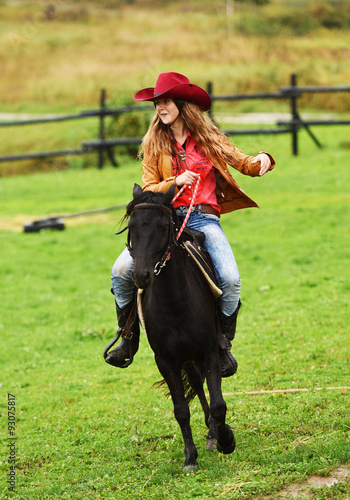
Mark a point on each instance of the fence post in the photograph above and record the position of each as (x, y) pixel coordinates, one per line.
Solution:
(294, 111)
(102, 126)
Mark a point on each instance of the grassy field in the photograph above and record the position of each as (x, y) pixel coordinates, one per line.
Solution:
(87, 430)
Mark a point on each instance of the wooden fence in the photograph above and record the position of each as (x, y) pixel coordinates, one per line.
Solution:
(291, 93)
(102, 145)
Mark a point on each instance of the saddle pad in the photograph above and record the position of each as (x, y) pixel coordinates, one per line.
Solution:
(201, 260)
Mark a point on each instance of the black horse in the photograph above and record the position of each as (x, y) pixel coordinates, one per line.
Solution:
(179, 313)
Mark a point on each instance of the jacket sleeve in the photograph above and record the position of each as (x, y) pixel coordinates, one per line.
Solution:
(246, 165)
(157, 176)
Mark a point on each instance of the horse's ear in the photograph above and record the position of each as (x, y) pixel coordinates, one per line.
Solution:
(169, 195)
(137, 191)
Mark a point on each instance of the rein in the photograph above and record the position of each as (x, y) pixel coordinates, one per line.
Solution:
(189, 208)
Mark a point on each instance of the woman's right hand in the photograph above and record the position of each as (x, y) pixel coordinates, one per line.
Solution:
(186, 179)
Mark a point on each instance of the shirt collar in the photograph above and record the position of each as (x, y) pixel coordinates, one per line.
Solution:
(173, 137)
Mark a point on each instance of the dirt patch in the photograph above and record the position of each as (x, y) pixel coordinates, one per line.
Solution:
(303, 490)
(16, 223)
(13, 224)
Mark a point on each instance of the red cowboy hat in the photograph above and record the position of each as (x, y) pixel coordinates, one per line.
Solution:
(175, 86)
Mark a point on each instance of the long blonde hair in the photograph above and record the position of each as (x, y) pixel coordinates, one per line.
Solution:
(210, 140)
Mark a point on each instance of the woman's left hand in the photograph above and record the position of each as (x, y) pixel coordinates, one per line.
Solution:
(265, 163)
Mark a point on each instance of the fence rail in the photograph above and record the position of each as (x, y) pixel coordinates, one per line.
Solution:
(103, 145)
(79, 116)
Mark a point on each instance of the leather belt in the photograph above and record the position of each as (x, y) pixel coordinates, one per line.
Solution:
(205, 209)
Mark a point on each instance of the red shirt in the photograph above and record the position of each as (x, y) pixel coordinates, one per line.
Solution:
(196, 161)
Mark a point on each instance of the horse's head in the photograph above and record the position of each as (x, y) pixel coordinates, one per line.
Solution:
(151, 232)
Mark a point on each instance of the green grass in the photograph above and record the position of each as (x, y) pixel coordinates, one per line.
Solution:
(87, 430)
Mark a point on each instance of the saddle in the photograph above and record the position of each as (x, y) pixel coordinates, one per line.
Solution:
(192, 240)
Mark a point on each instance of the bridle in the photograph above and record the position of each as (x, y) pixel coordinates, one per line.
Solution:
(171, 240)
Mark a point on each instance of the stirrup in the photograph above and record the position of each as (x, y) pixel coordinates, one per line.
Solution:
(228, 362)
(120, 357)
(123, 355)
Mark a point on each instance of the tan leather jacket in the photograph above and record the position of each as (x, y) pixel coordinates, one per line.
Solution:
(159, 177)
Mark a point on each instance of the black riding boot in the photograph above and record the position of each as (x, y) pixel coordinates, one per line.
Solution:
(129, 329)
(229, 364)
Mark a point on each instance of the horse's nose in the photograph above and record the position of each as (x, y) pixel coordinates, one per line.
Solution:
(147, 276)
(143, 280)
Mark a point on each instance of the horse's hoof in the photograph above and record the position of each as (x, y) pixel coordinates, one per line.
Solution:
(226, 450)
(190, 468)
(212, 444)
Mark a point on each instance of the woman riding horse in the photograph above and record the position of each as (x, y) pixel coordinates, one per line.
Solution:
(183, 147)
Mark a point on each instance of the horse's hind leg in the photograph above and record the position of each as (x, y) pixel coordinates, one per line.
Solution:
(172, 377)
(225, 438)
(195, 379)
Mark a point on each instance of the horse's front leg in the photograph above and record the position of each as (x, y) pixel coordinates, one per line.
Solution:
(172, 376)
(225, 438)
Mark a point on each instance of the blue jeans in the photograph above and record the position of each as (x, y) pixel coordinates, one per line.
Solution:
(215, 243)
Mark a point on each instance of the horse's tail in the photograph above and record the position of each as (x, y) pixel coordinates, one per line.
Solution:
(190, 375)
(190, 392)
